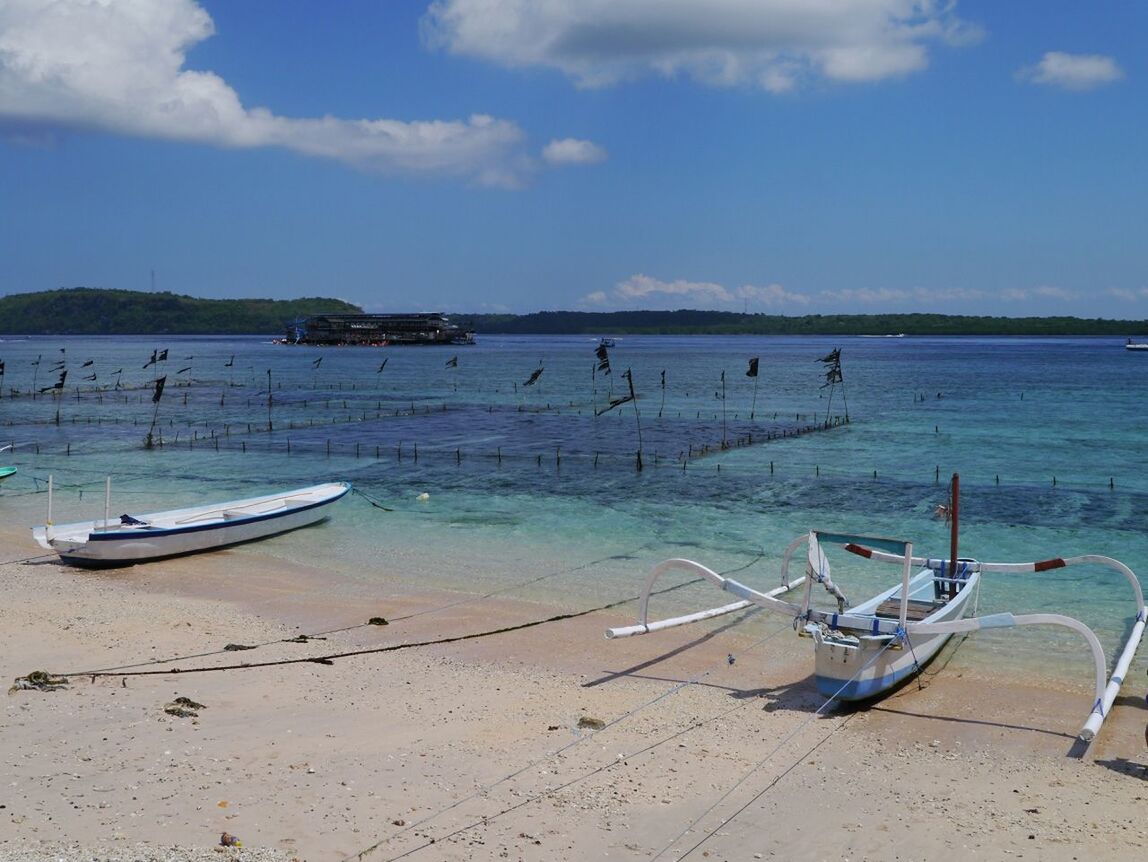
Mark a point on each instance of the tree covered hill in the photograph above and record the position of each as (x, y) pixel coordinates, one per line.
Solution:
(94, 311)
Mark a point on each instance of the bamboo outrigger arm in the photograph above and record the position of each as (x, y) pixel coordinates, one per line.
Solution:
(1007, 620)
(749, 596)
(1013, 568)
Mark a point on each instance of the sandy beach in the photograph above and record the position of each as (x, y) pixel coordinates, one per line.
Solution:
(545, 743)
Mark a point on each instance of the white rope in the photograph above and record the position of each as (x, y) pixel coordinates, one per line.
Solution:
(554, 754)
(761, 763)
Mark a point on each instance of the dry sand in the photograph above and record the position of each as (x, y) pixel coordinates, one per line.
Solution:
(473, 750)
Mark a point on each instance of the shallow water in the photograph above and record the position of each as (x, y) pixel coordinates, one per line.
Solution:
(532, 493)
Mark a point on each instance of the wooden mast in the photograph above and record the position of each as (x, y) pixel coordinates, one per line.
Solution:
(954, 512)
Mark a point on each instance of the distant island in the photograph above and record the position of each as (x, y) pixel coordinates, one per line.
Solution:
(97, 311)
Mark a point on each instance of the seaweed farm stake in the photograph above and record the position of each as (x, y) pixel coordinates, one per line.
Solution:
(752, 372)
(149, 442)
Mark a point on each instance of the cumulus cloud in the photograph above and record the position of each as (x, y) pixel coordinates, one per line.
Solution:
(1073, 71)
(571, 151)
(1127, 294)
(1023, 294)
(644, 291)
(647, 292)
(773, 44)
(119, 66)
(890, 296)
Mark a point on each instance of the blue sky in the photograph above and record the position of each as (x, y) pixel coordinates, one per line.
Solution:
(778, 156)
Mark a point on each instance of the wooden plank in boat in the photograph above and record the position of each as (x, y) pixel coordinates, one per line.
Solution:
(918, 610)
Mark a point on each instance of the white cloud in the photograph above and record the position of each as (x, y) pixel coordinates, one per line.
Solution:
(890, 296)
(1023, 294)
(771, 43)
(119, 66)
(1073, 71)
(643, 287)
(1128, 295)
(644, 291)
(771, 296)
(571, 151)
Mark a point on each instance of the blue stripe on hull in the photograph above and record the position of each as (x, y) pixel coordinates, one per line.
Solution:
(862, 689)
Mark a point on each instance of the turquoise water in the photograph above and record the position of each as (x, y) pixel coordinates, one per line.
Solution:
(527, 483)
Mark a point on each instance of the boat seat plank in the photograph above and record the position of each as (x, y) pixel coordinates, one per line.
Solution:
(918, 609)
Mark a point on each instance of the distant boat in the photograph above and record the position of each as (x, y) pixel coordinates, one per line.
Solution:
(888, 335)
(5, 472)
(132, 539)
(606, 342)
(1135, 345)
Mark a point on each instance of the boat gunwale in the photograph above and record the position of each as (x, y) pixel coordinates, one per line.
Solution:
(88, 531)
(221, 523)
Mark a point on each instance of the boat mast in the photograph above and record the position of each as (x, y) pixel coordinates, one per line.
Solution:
(954, 512)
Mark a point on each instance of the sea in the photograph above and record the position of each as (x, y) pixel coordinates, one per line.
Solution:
(544, 468)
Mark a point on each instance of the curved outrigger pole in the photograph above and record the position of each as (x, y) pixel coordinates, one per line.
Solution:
(899, 629)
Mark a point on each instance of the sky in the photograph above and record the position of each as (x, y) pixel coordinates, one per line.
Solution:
(770, 156)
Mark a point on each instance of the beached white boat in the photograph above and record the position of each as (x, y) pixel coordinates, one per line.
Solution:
(877, 644)
(137, 538)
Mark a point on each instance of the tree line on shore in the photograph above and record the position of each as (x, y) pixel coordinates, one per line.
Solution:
(97, 311)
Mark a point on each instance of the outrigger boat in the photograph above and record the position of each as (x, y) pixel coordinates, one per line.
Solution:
(137, 538)
(863, 653)
(5, 472)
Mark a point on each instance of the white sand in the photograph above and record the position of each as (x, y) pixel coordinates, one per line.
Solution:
(456, 743)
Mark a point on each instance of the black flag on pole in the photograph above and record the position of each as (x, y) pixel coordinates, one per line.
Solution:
(158, 394)
(452, 362)
(603, 358)
(162, 356)
(534, 376)
(752, 371)
(317, 362)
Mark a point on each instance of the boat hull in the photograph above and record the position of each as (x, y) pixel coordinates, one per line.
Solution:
(854, 666)
(190, 531)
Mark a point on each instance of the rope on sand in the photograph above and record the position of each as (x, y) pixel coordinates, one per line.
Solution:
(374, 621)
(552, 755)
(330, 657)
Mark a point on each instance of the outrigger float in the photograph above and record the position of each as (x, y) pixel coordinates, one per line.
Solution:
(863, 653)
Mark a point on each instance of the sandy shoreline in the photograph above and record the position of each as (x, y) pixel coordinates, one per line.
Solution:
(476, 745)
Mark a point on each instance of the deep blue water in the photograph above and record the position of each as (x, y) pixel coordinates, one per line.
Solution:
(526, 481)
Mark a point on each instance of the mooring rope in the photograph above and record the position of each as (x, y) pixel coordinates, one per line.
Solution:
(323, 634)
(329, 658)
(553, 790)
(785, 739)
